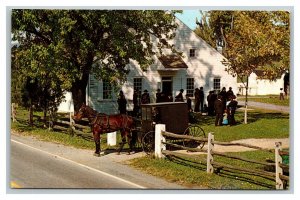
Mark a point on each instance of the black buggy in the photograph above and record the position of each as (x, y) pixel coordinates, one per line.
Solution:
(176, 118)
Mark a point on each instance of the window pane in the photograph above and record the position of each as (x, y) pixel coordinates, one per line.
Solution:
(190, 86)
(217, 85)
(107, 90)
(137, 86)
(192, 52)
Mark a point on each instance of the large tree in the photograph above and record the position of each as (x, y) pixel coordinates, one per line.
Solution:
(251, 40)
(75, 43)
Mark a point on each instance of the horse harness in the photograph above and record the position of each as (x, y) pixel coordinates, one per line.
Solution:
(103, 120)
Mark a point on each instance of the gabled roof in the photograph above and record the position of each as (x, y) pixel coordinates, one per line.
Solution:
(173, 62)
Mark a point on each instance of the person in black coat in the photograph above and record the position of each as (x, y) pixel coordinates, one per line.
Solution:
(122, 103)
(229, 93)
(145, 99)
(219, 109)
(179, 97)
(158, 96)
(136, 103)
(201, 98)
(223, 94)
(211, 98)
(231, 108)
(189, 103)
(197, 100)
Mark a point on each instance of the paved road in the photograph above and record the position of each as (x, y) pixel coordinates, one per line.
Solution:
(33, 168)
(111, 165)
(283, 109)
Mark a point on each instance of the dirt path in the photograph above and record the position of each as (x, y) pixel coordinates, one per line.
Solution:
(263, 143)
(282, 109)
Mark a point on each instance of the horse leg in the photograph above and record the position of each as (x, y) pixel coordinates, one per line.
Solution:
(129, 141)
(96, 135)
(97, 152)
(122, 143)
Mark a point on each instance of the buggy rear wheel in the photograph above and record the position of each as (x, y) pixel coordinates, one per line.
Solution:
(195, 131)
(148, 142)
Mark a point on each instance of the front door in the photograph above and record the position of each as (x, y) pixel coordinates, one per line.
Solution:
(167, 85)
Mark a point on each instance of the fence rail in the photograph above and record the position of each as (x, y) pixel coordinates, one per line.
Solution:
(280, 179)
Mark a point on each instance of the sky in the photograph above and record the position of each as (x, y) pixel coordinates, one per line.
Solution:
(189, 17)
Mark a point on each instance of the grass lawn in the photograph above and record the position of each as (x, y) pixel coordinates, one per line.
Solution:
(261, 124)
(270, 99)
(191, 172)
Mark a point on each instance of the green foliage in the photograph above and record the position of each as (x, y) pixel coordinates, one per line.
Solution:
(67, 45)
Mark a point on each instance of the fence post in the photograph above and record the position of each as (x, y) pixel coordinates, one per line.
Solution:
(14, 112)
(158, 140)
(72, 122)
(210, 148)
(278, 169)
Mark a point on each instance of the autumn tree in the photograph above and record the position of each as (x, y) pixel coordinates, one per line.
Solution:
(252, 40)
(71, 44)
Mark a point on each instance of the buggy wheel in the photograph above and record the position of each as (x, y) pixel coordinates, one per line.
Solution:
(148, 142)
(195, 131)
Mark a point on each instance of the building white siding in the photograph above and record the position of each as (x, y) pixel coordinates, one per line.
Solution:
(67, 104)
(203, 67)
(262, 86)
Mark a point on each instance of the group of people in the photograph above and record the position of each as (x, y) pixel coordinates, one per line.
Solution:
(225, 109)
(163, 97)
(137, 101)
(222, 105)
(144, 98)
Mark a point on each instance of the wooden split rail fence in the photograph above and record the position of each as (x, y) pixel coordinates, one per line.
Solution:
(76, 129)
(280, 179)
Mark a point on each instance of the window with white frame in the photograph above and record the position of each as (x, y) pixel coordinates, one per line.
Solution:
(190, 87)
(138, 85)
(217, 85)
(192, 53)
(107, 90)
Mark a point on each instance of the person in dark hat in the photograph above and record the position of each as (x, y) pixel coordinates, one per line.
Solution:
(158, 96)
(201, 98)
(219, 109)
(197, 100)
(145, 99)
(122, 103)
(231, 108)
(179, 97)
(189, 103)
(211, 98)
(229, 93)
(224, 96)
(136, 103)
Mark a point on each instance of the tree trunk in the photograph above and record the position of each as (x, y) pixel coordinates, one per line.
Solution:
(246, 102)
(31, 114)
(79, 92)
(45, 116)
